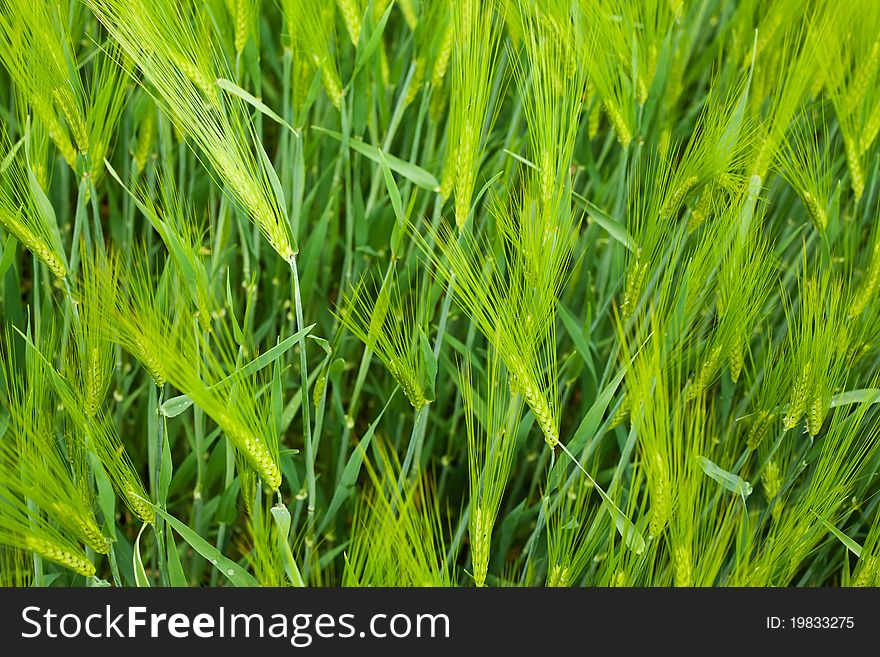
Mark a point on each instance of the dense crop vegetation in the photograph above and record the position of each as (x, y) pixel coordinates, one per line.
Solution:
(439, 292)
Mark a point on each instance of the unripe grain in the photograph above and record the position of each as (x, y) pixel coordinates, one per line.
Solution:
(867, 573)
(195, 75)
(204, 312)
(332, 83)
(57, 133)
(618, 123)
(441, 63)
(868, 288)
(661, 502)
(481, 531)
(641, 87)
(871, 128)
(701, 209)
(674, 84)
(99, 152)
(259, 208)
(818, 410)
(758, 429)
(593, 120)
(633, 289)
(66, 103)
(135, 497)
(379, 7)
(408, 9)
(706, 373)
(415, 83)
(816, 211)
(673, 203)
(149, 360)
(772, 479)
(95, 382)
(34, 242)
(59, 554)
(409, 383)
(736, 360)
(384, 67)
(857, 176)
(799, 399)
(559, 576)
(621, 413)
(537, 401)
(351, 16)
(447, 183)
(241, 25)
(863, 78)
(766, 34)
(89, 531)
(253, 448)
(682, 566)
(320, 387)
(764, 157)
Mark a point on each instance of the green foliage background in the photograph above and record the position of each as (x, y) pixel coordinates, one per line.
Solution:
(439, 292)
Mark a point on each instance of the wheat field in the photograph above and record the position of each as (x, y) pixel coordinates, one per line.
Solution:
(439, 293)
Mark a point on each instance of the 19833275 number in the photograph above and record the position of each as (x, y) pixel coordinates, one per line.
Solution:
(811, 623)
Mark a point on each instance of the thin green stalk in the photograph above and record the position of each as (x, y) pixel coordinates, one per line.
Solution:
(307, 426)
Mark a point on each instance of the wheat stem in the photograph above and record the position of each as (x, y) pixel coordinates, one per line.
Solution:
(307, 427)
